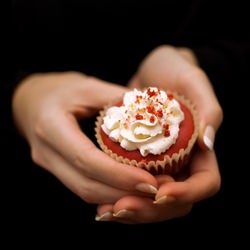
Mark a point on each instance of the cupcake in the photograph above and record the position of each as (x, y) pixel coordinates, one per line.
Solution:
(150, 129)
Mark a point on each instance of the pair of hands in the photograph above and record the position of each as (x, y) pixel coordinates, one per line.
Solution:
(47, 108)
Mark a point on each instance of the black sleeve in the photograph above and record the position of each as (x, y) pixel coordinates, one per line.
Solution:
(225, 62)
(221, 42)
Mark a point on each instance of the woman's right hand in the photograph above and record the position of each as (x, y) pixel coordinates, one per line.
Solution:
(47, 108)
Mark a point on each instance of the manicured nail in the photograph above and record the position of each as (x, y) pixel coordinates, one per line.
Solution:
(124, 213)
(165, 200)
(146, 188)
(104, 217)
(208, 137)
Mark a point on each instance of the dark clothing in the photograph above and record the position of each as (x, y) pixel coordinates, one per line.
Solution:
(108, 39)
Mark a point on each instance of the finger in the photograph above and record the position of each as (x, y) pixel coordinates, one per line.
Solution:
(209, 110)
(164, 199)
(203, 96)
(138, 210)
(204, 181)
(69, 141)
(91, 191)
(88, 189)
(134, 82)
(104, 212)
(162, 179)
(88, 91)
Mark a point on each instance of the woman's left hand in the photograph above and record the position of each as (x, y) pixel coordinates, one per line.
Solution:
(177, 70)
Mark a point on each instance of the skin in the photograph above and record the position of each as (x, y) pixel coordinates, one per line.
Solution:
(43, 102)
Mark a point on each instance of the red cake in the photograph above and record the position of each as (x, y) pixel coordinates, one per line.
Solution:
(151, 129)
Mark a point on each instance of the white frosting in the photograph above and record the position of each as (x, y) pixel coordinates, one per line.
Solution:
(148, 120)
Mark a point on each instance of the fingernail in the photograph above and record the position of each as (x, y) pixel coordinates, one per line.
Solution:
(165, 200)
(208, 137)
(104, 217)
(146, 188)
(124, 213)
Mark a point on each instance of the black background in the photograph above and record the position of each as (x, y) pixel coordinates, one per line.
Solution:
(36, 208)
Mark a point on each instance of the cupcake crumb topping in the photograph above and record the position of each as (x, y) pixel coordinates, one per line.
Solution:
(147, 120)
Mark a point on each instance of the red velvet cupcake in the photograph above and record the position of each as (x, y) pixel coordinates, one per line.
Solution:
(151, 129)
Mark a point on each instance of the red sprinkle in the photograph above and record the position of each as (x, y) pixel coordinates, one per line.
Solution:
(159, 113)
(170, 96)
(167, 131)
(152, 119)
(138, 99)
(139, 117)
(151, 93)
(150, 109)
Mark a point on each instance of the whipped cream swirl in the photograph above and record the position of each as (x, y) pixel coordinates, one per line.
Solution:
(148, 120)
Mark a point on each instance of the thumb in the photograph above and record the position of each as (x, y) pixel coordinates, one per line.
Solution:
(199, 89)
(134, 82)
(210, 113)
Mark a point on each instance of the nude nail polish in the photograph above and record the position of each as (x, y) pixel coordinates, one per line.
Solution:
(208, 137)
